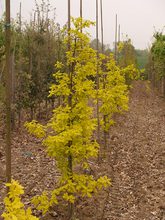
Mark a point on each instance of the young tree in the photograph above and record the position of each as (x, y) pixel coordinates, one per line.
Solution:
(158, 55)
(113, 92)
(38, 45)
(127, 54)
(69, 134)
(14, 208)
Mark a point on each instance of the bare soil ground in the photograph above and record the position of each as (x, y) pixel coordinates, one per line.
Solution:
(134, 160)
(138, 190)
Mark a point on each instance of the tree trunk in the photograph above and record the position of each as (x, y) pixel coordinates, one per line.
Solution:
(81, 10)
(102, 26)
(164, 86)
(105, 132)
(8, 92)
(13, 90)
(70, 171)
(116, 38)
(97, 73)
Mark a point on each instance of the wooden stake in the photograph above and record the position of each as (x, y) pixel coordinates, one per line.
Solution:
(116, 38)
(104, 77)
(20, 17)
(97, 28)
(97, 73)
(81, 10)
(70, 76)
(81, 14)
(8, 91)
(119, 33)
(70, 205)
(69, 25)
(102, 27)
(117, 43)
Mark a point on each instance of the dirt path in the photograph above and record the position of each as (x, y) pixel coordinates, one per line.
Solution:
(138, 190)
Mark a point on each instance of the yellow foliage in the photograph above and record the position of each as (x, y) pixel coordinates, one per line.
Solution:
(113, 91)
(131, 72)
(69, 132)
(120, 46)
(79, 185)
(14, 208)
(35, 128)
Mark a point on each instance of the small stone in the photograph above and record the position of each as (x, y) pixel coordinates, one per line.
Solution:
(53, 214)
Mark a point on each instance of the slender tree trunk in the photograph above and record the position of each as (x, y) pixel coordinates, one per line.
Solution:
(153, 76)
(20, 17)
(105, 116)
(69, 69)
(31, 113)
(102, 26)
(46, 108)
(39, 110)
(19, 70)
(30, 72)
(13, 90)
(70, 205)
(8, 92)
(59, 58)
(53, 103)
(19, 118)
(164, 86)
(118, 41)
(81, 16)
(97, 73)
(104, 77)
(105, 132)
(116, 38)
(39, 79)
(119, 33)
(81, 10)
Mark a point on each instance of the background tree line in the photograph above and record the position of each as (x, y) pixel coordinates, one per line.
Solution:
(156, 63)
(36, 46)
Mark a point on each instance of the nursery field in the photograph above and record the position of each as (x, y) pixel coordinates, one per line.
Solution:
(134, 160)
(82, 121)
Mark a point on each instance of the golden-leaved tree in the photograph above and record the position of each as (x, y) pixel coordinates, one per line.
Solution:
(113, 92)
(14, 208)
(68, 136)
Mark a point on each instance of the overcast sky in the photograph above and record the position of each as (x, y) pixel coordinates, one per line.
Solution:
(138, 18)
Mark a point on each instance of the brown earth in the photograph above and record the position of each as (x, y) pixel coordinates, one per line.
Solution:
(134, 160)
